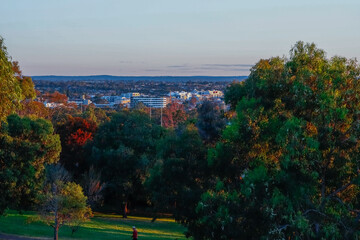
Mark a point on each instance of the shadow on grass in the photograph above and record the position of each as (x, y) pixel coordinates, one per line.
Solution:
(100, 227)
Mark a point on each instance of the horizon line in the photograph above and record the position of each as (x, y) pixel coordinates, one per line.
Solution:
(52, 75)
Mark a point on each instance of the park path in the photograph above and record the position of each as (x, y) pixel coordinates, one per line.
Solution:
(4, 236)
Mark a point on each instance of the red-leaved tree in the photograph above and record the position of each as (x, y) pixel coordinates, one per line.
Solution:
(173, 114)
(75, 133)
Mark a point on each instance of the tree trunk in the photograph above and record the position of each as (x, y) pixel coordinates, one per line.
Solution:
(56, 225)
(56, 232)
(125, 210)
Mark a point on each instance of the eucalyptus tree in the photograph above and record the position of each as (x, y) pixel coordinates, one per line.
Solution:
(288, 164)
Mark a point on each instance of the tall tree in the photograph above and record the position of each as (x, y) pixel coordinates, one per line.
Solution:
(25, 147)
(288, 163)
(210, 122)
(95, 114)
(173, 114)
(234, 93)
(124, 149)
(26, 83)
(181, 162)
(75, 133)
(10, 89)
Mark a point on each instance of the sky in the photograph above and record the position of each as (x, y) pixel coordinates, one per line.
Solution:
(170, 37)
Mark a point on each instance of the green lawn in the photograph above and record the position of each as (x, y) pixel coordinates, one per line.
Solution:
(101, 226)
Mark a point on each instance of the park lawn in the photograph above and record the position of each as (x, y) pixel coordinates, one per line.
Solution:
(101, 226)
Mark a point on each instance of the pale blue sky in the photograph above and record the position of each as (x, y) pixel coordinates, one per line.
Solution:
(170, 37)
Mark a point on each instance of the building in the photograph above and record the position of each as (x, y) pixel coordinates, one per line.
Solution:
(80, 101)
(116, 99)
(129, 95)
(53, 104)
(154, 102)
(180, 95)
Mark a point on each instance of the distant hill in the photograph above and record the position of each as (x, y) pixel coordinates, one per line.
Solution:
(141, 78)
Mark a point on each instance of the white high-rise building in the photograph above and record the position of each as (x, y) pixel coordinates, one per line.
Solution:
(154, 102)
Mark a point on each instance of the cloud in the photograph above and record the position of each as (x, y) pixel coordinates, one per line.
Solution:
(153, 70)
(225, 69)
(229, 65)
(213, 67)
(178, 66)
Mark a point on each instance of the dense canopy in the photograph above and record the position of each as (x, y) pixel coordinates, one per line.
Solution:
(288, 164)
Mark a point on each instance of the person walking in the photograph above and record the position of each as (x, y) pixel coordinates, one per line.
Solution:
(135, 233)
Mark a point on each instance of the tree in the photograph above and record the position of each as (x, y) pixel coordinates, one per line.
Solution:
(210, 122)
(63, 202)
(193, 101)
(123, 150)
(93, 187)
(55, 97)
(26, 83)
(173, 115)
(34, 109)
(59, 115)
(26, 146)
(10, 89)
(234, 93)
(95, 114)
(75, 133)
(181, 162)
(288, 163)
(99, 100)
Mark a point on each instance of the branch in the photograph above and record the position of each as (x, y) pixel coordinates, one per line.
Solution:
(333, 194)
(316, 211)
(342, 203)
(340, 189)
(340, 222)
(284, 227)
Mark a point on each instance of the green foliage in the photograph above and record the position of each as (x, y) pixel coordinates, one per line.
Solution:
(95, 114)
(26, 146)
(234, 93)
(210, 122)
(288, 162)
(181, 162)
(62, 202)
(26, 83)
(10, 89)
(14, 87)
(124, 149)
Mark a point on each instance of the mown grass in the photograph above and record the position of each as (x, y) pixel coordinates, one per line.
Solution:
(101, 226)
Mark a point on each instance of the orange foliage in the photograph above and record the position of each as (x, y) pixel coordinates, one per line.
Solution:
(311, 129)
(77, 131)
(79, 137)
(55, 97)
(174, 114)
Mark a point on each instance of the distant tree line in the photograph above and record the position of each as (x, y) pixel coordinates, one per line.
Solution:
(78, 88)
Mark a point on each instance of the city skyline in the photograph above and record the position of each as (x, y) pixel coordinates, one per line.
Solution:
(169, 38)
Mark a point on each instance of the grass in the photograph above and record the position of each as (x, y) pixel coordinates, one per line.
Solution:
(101, 226)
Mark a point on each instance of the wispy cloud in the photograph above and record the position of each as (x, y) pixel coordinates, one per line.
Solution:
(153, 70)
(213, 66)
(229, 65)
(178, 66)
